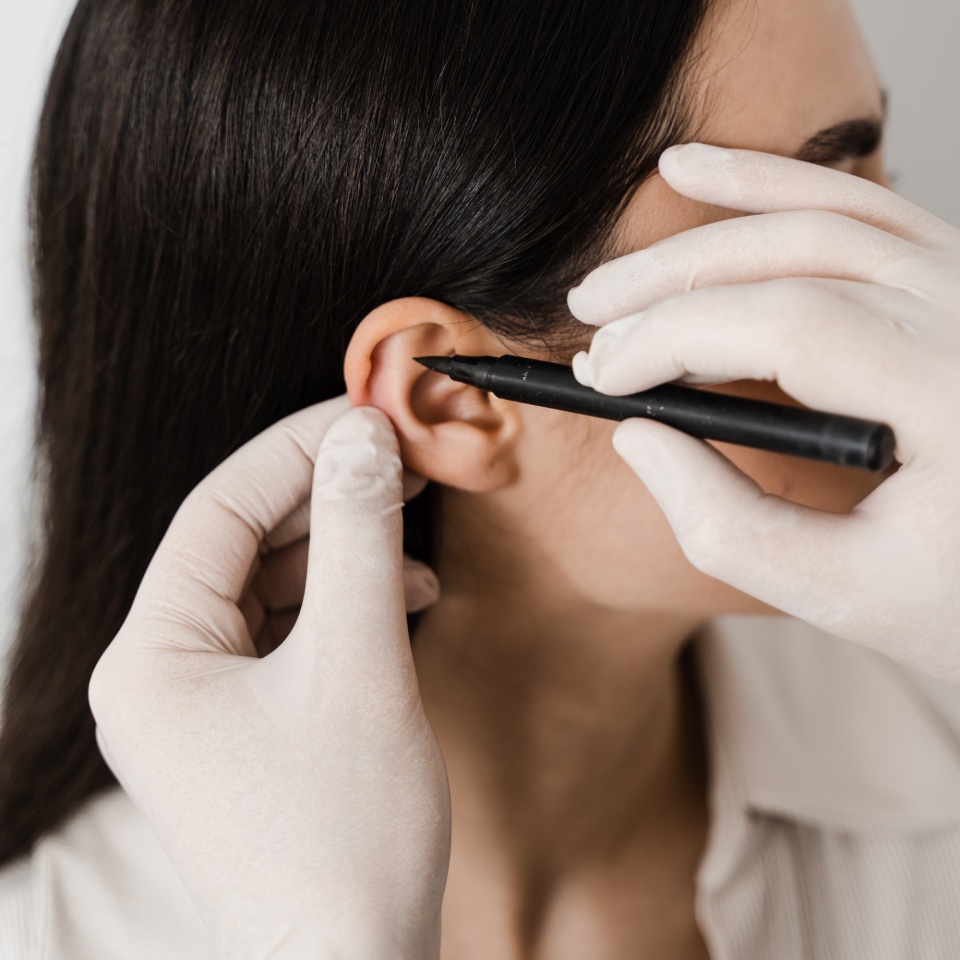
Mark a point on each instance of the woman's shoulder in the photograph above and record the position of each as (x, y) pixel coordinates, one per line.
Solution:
(828, 729)
(17, 923)
(835, 781)
(99, 888)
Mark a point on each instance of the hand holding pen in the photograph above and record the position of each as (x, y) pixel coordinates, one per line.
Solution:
(842, 292)
(846, 441)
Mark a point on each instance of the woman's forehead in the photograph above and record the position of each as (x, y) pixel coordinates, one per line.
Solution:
(773, 73)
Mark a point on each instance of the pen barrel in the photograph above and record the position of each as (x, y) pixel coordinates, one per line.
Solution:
(797, 431)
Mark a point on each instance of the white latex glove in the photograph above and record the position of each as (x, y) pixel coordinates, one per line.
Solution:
(849, 297)
(302, 797)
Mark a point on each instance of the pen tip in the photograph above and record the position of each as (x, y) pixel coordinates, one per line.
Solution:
(434, 363)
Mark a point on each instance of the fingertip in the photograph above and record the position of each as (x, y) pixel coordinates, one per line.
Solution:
(421, 586)
(354, 563)
(359, 458)
(672, 465)
(699, 167)
(362, 420)
(672, 156)
(696, 155)
(643, 443)
(581, 369)
(413, 484)
(580, 304)
(612, 366)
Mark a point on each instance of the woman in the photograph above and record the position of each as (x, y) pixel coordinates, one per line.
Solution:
(245, 210)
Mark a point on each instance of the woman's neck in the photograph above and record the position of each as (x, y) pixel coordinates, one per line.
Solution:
(570, 734)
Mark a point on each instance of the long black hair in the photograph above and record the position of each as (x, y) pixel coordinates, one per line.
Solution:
(222, 190)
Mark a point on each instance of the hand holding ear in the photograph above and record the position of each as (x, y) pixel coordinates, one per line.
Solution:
(849, 297)
(301, 796)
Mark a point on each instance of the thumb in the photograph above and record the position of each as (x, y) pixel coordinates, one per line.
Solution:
(354, 593)
(784, 554)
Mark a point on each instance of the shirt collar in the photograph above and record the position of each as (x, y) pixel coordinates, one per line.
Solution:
(805, 726)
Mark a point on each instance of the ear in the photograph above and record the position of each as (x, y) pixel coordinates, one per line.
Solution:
(450, 432)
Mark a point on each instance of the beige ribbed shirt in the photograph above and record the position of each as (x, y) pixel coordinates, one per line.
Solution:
(835, 822)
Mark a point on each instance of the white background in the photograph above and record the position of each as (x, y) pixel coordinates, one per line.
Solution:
(914, 43)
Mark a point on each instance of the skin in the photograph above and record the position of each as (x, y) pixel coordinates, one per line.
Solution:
(550, 668)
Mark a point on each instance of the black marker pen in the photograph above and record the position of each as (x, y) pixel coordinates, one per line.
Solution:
(814, 434)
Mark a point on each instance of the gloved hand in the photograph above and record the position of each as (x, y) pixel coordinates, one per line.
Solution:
(302, 797)
(849, 297)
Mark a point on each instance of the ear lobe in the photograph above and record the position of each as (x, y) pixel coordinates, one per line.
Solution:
(450, 432)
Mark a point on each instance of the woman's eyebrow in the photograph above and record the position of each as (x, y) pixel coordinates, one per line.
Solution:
(852, 138)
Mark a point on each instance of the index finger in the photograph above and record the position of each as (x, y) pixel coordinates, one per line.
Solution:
(757, 182)
(817, 222)
(801, 243)
(215, 536)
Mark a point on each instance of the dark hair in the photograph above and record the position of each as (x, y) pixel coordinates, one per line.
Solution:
(222, 190)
